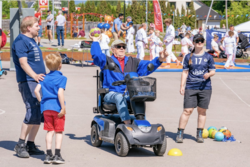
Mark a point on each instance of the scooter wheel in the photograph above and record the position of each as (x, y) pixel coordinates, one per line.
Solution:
(121, 145)
(160, 149)
(245, 56)
(95, 137)
(5, 72)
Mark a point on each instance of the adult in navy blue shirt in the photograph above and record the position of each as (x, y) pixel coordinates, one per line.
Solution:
(124, 65)
(198, 67)
(30, 69)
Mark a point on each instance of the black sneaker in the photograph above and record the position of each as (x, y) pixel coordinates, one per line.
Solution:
(33, 150)
(58, 160)
(199, 136)
(179, 137)
(48, 159)
(21, 151)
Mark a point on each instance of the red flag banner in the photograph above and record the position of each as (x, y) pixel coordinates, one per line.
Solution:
(157, 16)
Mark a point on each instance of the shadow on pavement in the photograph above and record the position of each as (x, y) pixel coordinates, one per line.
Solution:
(185, 136)
(110, 148)
(9, 145)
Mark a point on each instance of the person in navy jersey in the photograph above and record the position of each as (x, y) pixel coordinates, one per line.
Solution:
(124, 65)
(30, 69)
(198, 67)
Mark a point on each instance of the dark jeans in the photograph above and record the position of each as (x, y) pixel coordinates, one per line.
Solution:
(60, 32)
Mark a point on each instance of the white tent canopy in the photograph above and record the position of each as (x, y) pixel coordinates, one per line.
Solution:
(243, 26)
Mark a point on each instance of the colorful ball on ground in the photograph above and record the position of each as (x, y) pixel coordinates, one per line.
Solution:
(175, 152)
(223, 127)
(106, 26)
(227, 133)
(210, 133)
(100, 25)
(214, 133)
(95, 32)
(211, 127)
(219, 136)
(205, 133)
(108, 19)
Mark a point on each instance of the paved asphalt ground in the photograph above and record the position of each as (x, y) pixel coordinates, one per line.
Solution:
(230, 107)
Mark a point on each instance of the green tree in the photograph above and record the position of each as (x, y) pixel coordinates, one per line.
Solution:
(168, 10)
(118, 8)
(163, 9)
(183, 15)
(192, 19)
(64, 3)
(133, 12)
(72, 7)
(88, 10)
(150, 14)
(177, 20)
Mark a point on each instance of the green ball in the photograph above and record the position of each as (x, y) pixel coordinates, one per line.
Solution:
(95, 32)
(210, 132)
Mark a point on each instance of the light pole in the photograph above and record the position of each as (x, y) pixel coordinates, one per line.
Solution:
(147, 13)
(226, 15)
(53, 29)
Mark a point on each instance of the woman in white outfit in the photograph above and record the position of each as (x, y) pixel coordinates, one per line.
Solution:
(229, 45)
(151, 39)
(130, 38)
(185, 43)
(141, 41)
(215, 45)
(158, 44)
(104, 41)
(168, 40)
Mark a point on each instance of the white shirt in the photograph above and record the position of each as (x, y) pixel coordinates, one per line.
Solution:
(186, 42)
(170, 34)
(215, 45)
(51, 23)
(104, 42)
(235, 35)
(141, 36)
(60, 20)
(130, 33)
(229, 45)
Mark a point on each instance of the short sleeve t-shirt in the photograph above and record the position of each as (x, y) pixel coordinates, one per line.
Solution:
(215, 45)
(40, 20)
(24, 46)
(52, 21)
(117, 22)
(201, 64)
(50, 86)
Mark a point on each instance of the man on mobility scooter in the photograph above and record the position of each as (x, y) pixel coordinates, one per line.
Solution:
(116, 72)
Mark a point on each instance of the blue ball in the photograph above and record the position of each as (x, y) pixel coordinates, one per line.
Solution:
(211, 127)
(219, 136)
(100, 25)
(106, 26)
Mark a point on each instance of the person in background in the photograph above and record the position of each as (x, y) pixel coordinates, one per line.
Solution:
(188, 28)
(183, 28)
(229, 45)
(38, 15)
(75, 32)
(61, 21)
(200, 30)
(177, 33)
(158, 44)
(235, 35)
(215, 45)
(185, 43)
(130, 38)
(141, 41)
(50, 23)
(223, 26)
(104, 43)
(117, 26)
(81, 33)
(220, 44)
(151, 39)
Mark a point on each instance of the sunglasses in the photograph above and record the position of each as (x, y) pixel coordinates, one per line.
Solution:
(119, 47)
(199, 41)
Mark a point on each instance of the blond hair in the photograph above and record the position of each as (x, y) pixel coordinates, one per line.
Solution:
(168, 20)
(230, 33)
(53, 61)
(157, 31)
(28, 21)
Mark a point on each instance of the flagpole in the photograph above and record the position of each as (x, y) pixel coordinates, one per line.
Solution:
(226, 15)
(147, 13)
(209, 13)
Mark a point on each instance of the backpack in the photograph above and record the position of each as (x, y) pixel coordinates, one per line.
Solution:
(4, 39)
(65, 59)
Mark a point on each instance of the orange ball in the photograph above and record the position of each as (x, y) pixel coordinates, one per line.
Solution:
(227, 133)
(108, 19)
(109, 34)
(124, 34)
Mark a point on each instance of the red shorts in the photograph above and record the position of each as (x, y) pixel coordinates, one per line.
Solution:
(52, 122)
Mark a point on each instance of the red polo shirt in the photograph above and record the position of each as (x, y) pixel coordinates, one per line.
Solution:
(121, 61)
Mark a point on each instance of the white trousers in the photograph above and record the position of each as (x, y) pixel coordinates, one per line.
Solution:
(171, 56)
(230, 58)
(184, 52)
(158, 49)
(130, 46)
(140, 50)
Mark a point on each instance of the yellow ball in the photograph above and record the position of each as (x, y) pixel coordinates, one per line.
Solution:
(213, 133)
(175, 152)
(221, 130)
(205, 133)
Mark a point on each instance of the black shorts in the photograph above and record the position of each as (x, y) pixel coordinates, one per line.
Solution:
(48, 27)
(194, 98)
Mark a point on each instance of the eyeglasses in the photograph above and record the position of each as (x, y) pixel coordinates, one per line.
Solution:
(119, 47)
(199, 41)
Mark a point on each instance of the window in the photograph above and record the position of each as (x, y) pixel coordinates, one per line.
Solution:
(172, 4)
(187, 4)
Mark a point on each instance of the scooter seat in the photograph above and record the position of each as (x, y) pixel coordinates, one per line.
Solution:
(109, 106)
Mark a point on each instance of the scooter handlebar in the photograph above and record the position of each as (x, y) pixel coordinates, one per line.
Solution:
(118, 83)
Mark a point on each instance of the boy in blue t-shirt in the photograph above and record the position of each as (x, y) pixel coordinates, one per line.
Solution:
(53, 106)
